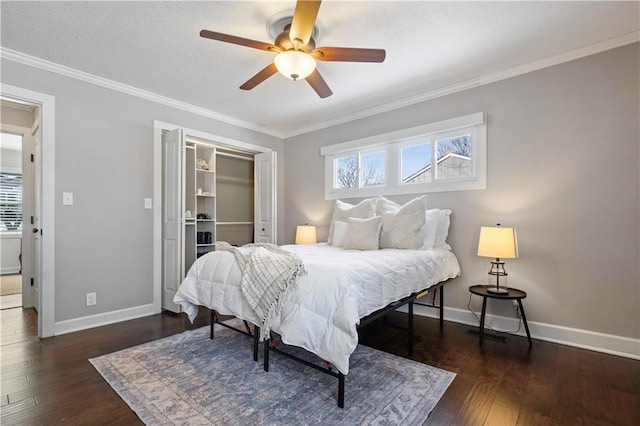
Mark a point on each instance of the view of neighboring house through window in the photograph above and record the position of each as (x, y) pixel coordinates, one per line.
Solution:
(452, 160)
(416, 163)
(449, 155)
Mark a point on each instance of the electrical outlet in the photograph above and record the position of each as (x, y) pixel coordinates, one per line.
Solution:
(91, 299)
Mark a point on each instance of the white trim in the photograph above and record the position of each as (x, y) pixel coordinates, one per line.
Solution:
(158, 127)
(474, 82)
(422, 130)
(584, 339)
(46, 316)
(550, 61)
(97, 320)
(32, 61)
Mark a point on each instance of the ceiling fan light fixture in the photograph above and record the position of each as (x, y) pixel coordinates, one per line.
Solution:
(295, 64)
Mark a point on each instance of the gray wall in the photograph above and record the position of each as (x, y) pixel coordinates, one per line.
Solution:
(234, 198)
(104, 155)
(563, 152)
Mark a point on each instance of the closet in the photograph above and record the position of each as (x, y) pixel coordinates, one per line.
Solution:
(212, 192)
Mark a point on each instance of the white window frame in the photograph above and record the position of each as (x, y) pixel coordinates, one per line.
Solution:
(392, 142)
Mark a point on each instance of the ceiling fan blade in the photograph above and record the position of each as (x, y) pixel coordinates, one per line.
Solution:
(264, 74)
(318, 84)
(349, 54)
(227, 38)
(304, 18)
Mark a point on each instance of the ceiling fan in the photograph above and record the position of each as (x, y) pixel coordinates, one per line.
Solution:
(297, 52)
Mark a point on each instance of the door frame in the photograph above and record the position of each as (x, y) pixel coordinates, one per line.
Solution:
(46, 106)
(158, 128)
(28, 188)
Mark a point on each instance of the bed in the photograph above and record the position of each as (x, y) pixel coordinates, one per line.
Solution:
(322, 310)
(379, 256)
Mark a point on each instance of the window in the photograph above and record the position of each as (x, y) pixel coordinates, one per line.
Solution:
(454, 157)
(416, 163)
(10, 202)
(359, 170)
(449, 155)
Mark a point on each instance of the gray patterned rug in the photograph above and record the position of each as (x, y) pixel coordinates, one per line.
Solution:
(187, 379)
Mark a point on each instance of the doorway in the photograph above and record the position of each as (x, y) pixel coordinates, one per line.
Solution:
(16, 204)
(38, 190)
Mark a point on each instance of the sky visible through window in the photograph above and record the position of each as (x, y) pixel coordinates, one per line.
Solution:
(415, 158)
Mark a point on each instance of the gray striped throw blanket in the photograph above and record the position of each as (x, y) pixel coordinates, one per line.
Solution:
(267, 271)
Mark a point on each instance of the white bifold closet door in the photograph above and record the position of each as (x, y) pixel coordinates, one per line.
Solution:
(172, 207)
(264, 219)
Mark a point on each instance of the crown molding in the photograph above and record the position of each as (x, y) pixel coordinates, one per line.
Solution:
(477, 82)
(32, 61)
(570, 55)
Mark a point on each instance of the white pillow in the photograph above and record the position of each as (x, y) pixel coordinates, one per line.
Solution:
(430, 228)
(442, 230)
(363, 234)
(402, 227)
(384, 205)
(342, 211)
(339, 232)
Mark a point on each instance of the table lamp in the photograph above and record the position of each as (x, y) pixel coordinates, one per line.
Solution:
(499, 243)
(306, 234)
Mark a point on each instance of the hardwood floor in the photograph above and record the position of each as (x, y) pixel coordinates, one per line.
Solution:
(50, 381)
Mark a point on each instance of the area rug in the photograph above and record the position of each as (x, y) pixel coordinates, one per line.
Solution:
(188, 379)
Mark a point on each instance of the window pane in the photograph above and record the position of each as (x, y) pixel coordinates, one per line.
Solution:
(10, 201)
(453, 157)
(373, 169)
(416, 163)
(346, 172)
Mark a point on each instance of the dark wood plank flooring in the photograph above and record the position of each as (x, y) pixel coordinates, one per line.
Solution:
(50, 381)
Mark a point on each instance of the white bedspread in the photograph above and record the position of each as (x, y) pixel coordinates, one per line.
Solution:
(321, 311)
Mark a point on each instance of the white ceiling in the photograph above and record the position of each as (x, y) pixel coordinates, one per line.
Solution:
(155, 46)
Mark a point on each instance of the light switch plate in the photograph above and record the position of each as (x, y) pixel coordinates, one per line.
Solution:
(148, 203)
(67, 198)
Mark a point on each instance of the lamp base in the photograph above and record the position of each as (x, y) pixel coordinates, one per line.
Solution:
(499, 290)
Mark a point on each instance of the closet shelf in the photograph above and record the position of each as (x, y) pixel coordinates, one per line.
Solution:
(235, 223)
(205, 171)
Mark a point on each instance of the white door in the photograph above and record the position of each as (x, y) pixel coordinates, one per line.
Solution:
(36, 229)
(172, 226)
(265, 197)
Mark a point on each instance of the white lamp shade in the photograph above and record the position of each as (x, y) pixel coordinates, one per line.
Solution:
(295, 64)
(306, 234)
(498, 242)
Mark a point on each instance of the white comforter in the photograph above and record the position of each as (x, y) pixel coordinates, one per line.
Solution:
(321, 311)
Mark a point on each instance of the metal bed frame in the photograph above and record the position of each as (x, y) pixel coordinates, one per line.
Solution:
(270, 346)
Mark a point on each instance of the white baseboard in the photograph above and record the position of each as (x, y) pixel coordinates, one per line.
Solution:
(83, 323)
(10, 270)
(600, 342)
